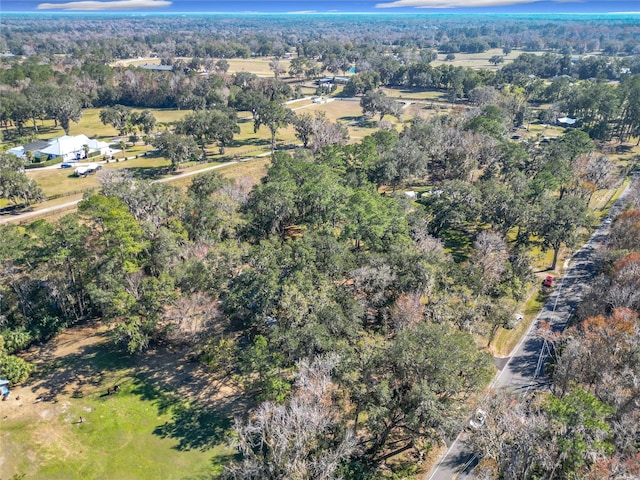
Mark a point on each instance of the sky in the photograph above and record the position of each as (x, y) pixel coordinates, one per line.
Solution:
(322, 6)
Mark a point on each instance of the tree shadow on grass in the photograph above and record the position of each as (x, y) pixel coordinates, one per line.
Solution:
(218, 462)
(195, 425)
(74, 373)
(370, 123)
(201, 407)
(458, 242)
(623, 149)
(148, 173)
(251, 142)
(15, 209)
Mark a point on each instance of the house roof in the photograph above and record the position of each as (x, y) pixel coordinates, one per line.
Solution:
(567, 120)
(94, 144)
(17, 151)
(66, 144)
(29, 147)
(35, 146)
(162, 68)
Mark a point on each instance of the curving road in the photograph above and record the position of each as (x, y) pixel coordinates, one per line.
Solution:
(524, 370)
(21, 217)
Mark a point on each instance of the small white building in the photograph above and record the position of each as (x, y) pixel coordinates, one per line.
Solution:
(566, 121)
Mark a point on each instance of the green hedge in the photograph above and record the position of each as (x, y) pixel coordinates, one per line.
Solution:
(48, 163)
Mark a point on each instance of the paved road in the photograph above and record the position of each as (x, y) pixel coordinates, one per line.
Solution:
(524, 370)
(21, 217)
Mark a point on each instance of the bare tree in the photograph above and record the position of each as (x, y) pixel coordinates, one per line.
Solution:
(406, 311)
(482, 96)
(509, 439)
(189, 317)
(490, 257)
(298, 441)
(326, 133)
(276, 67)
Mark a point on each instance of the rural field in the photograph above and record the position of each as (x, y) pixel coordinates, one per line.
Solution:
(167, 420)
(480, 60)
(259, 66)
(57, 182)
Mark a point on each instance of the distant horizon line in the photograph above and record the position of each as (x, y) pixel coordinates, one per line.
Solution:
(393, 13)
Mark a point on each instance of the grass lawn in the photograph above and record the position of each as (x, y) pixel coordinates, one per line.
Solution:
(90, 125)
(506, 340)
(343, 111)
(543, 130)
(252, 171)
(259, 66)
(61, 181)
(120, 437)
(414, 94)
(480, 60)
(146, 431)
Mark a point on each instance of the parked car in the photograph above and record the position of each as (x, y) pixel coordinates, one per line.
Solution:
(514, 321)
(548, 281)
(478, 419)
(66, 165)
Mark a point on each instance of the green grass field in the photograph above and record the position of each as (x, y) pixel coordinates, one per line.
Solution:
(259, 66)
(480, 60)
(506, 340)
(120, 437)
(89, 125)
(145, 431)
(414, 94)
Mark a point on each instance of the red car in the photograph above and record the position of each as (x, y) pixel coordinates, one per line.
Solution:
(548, 281)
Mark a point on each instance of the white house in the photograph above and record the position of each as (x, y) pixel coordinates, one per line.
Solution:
(67, 148)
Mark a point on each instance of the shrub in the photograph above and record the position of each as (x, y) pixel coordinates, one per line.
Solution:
(14, 369)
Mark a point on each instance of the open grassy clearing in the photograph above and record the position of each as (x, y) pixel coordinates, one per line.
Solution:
(414, 94)
(136, 62)
(259, 66)
(89, 125)
(337, 110)
(168, 421)
(61, 181)
(480, 60)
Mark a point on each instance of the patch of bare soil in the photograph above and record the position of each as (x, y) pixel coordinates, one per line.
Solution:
(78, 363)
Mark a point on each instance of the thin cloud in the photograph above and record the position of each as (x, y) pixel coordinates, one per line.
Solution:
(91, 5)
(451, 3)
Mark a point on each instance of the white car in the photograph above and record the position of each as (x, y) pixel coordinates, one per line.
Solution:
(478, 419)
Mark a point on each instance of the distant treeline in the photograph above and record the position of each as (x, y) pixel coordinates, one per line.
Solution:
(119, 37)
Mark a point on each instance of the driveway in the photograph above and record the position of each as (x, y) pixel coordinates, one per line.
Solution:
(21, 217)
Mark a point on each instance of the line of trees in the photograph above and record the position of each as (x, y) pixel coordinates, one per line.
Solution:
(587, 426)
(243, 36)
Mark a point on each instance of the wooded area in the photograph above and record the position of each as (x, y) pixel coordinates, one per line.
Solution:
(353, 295)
